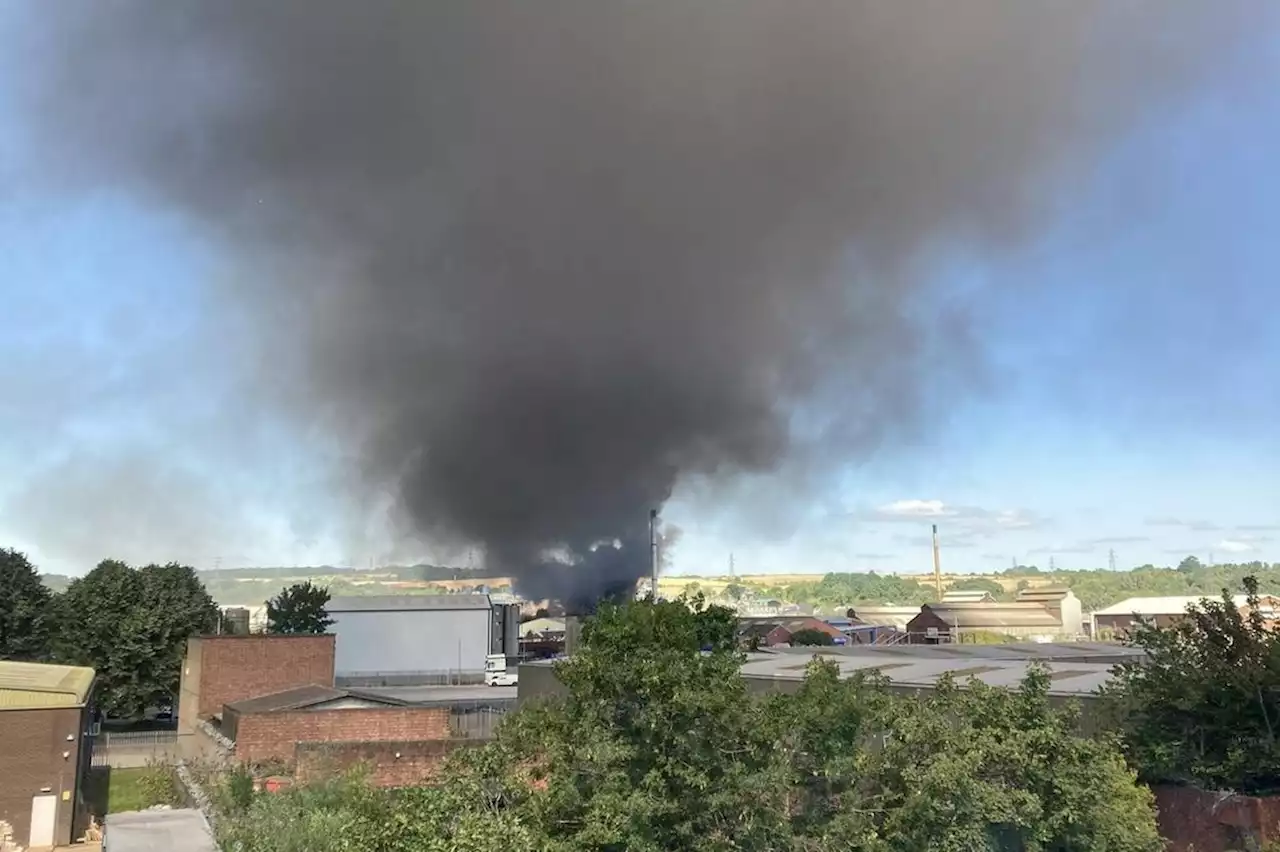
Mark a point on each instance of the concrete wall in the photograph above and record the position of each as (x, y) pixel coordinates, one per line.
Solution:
(407, 642)
(262, 737)
(32, 743)
(220, 670)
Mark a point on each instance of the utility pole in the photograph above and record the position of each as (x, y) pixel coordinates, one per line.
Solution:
(1111, 559)
(1013, 564)
(653, 553)
(937, 564)
(1053, 565)
(731, 574)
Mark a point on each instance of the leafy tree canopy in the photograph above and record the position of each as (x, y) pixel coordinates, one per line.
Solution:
(299, 608)
(26, 610)
(1201, 708)
(132, 626)
(810, 636)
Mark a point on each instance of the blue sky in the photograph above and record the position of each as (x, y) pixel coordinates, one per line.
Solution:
(1131, 398)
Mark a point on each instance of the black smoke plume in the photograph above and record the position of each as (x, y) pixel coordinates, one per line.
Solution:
(540, 262)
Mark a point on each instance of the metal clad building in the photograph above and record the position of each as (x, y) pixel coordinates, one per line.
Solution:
(405, 639)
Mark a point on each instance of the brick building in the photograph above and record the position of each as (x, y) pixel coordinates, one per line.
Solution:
(221, 670)
(45, 717)
(271, 727)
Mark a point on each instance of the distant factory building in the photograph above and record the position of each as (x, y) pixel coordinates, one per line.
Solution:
(1062, 604)
(419, 639)
(959, 622)
(1165, 611)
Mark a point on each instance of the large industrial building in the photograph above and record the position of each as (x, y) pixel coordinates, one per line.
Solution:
(420, 639)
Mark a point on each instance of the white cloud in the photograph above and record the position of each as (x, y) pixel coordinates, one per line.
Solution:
(974, 519)
(1194, 525)
(1234, 546)
(904, 509)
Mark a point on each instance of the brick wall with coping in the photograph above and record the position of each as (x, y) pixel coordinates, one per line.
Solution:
(221, 670)
(1196, 820)
(390, 764)
(262, 737)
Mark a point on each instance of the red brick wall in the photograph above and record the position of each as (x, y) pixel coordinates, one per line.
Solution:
(1194, 820)
(233, 668)
(390, 764)
(275, 736)
(31, 747)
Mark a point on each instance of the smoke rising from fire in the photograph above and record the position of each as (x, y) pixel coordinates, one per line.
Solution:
(539, 263)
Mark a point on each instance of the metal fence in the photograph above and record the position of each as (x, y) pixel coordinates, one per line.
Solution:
(439, 677)
(477, 723)
(124, 749)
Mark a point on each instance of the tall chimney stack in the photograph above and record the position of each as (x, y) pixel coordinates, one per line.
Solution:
(653, 553)
(937, 564)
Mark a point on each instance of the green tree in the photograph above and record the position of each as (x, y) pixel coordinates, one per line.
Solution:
(132, 626)
(1200, 708)
(26, 610)
(300, 608)
(735, 591)
(811, 636)
(984, 768)
(980, 584)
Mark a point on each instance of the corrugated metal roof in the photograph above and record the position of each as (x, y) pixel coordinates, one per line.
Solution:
(885, 616)
(967, 596)
(306, 697)
(36, 685)
(1171, 605)
(1042, 594)
(980, 615)
(400, 603)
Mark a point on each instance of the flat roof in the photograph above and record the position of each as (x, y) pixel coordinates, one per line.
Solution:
(167, 830)
(1077, 669)
(446, 696)
(27, 686)
(1069, 678)
(407, 603)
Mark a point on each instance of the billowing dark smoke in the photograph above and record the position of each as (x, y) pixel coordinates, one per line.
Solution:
(539, 262)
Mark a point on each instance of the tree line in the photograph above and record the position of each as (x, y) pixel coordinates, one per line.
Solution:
(1096, 588)
(130, 624)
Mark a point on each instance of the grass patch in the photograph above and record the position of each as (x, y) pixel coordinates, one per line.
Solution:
(113, 791)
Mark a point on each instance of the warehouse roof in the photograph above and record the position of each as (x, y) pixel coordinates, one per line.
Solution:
(885, 616)
(979, 615)
(26, 686)
(309, 698)
(1068, 678)
(1043, 594)
(1173, 605)
(409, 603)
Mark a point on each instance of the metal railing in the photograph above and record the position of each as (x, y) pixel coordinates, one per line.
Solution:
(122, 749)
(438, 677)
